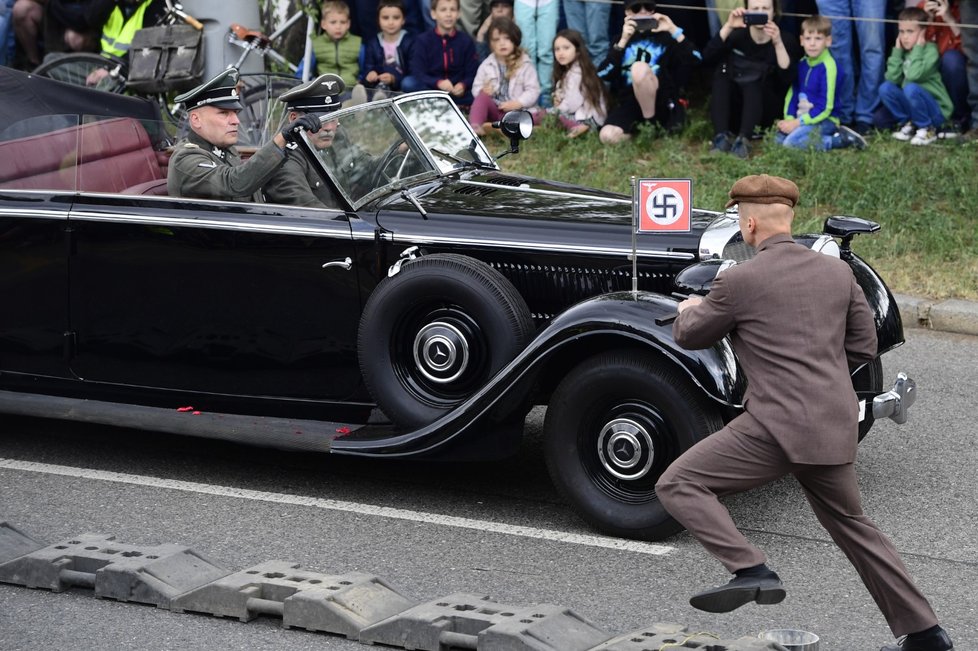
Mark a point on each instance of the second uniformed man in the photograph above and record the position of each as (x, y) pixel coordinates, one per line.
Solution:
(206, 164)
(297, 182)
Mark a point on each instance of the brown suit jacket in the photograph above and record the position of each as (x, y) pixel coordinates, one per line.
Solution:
(797, 320)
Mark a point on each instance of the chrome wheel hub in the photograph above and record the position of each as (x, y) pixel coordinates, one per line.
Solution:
(625, 449)
(441, 352)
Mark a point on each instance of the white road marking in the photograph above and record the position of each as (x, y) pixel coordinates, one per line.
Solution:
(338, 505)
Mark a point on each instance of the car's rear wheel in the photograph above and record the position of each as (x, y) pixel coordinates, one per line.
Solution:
(435, 332)
(613, 425)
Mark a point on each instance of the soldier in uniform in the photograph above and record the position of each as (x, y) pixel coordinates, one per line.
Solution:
(206, 164)
(297, 182)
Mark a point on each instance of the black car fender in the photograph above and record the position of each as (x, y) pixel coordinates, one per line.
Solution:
(610, 321)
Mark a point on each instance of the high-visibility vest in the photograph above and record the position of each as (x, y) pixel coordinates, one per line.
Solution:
(118, 31)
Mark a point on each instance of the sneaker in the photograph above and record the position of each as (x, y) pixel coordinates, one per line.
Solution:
(949, 131)
(905, 132)
(740, 148)
(721, 143)
(863, 128)
(924, 137)
(851, 137)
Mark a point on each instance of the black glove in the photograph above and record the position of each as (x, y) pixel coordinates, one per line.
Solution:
(310, 123)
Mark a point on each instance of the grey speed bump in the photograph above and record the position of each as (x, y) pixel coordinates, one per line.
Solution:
(357, 605)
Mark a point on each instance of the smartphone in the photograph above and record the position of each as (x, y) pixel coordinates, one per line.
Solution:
(755, 18)
(647, 23)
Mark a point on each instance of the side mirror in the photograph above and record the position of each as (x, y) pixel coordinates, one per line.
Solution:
(517, 126)
(698, 278)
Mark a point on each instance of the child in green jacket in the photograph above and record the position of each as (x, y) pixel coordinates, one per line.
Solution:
(913, 91)
(336, 49)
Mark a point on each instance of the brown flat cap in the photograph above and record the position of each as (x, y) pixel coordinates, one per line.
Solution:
(761, 188)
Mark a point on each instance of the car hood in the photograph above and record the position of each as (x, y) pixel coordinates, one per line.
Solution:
(562, 207)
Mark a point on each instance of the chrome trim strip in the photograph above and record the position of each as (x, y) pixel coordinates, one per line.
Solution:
(214, 224)
(539, 246)
(33, 212)
(558, 193)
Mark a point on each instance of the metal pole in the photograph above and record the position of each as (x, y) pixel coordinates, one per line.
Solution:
(634, 238)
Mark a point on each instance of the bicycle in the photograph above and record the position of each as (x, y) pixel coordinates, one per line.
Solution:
(110, 73)
(260, 113)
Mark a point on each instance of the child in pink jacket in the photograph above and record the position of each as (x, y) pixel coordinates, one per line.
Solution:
(506, 80)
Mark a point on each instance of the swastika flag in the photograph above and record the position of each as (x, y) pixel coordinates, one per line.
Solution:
(665, 205)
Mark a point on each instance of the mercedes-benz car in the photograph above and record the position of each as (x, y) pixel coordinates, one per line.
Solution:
(422, 317)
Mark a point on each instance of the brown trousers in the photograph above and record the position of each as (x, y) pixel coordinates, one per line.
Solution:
(730, 462)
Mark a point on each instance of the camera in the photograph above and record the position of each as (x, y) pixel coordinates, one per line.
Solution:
(755, 18)
(646, 23)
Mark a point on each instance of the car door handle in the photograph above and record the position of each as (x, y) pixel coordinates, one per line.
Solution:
(346, 264)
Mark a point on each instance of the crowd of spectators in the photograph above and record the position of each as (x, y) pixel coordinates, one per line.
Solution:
(746, 58)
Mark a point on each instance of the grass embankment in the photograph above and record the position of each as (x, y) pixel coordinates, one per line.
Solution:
(926, 198)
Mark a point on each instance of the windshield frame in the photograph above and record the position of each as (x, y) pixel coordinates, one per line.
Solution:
(394, 108)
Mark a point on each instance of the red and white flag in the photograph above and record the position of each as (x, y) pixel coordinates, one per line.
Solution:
(665, 205)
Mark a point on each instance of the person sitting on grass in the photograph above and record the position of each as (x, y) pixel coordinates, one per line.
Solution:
(385, 57)
(443, 58)
(647, 68)
(579, 97)
(506, 80)
(811, 118)
(913, 91)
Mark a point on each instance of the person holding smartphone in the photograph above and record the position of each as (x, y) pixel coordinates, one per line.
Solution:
(755, 65)
(647, 67)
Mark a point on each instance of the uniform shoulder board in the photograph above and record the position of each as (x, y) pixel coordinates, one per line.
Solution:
(190, 145)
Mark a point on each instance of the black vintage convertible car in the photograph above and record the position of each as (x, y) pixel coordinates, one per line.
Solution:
(421, 319)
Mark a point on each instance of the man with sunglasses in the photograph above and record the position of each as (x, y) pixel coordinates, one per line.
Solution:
(648, 67)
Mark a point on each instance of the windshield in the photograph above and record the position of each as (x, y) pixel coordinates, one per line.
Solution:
(372, 149)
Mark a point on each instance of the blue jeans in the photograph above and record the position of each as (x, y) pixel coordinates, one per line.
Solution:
(591, 20)
(953, 66)
(539, 25)
(6, 32)
(912, 103)
(820, 137)
(856, 95)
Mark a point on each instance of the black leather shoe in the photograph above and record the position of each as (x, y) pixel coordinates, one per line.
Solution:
(935, 641)
(741, 590)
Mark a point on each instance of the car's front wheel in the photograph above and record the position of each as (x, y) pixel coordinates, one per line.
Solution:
(613, 425)
(434, 333)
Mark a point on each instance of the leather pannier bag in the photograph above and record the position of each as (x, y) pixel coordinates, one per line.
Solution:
(168, 58)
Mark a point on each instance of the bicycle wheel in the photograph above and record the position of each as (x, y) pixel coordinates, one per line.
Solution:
(262, 114)
(86, 69)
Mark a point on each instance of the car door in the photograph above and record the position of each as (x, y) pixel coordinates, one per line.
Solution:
(33, 284)
(214, 297)
(37, 181)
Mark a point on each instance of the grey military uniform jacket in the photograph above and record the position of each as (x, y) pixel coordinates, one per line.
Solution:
(202, 170)
(297, 183)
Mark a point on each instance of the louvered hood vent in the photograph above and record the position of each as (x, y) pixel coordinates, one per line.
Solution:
(482, 191)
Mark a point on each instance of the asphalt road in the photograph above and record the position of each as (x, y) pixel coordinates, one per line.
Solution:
(918, 483)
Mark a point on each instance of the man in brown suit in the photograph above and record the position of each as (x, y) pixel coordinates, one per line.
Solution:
(798, 321)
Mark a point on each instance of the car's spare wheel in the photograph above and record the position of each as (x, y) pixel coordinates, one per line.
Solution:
(435, 332)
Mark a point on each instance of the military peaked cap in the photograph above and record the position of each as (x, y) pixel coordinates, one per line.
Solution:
(221, 91)
(761, 188)
(320, 95)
